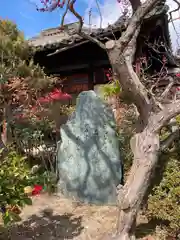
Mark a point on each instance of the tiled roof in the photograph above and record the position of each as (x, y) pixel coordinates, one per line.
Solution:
(55, 38)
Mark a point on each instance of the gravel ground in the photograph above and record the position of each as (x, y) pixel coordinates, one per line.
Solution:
(52, 217)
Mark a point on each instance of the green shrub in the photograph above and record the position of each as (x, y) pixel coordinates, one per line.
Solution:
(14, 176)
(22, 83)
(110, 89)
(164, 202)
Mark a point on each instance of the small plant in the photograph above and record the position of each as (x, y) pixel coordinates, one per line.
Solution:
(111, 89)
(14, 176)
(46, 179)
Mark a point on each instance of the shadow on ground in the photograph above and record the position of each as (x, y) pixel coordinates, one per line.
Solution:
(144, 229)
(149, 228)
(44, 226)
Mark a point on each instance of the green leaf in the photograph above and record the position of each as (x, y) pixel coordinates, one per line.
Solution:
(14, 216)
(6, 218)
(27, 201)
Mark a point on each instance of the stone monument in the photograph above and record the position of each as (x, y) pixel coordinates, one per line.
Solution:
(88, 157)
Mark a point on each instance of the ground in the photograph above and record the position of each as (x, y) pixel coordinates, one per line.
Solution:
(52, 218)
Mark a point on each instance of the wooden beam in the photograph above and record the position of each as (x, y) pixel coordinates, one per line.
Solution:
(66, 48)
(66, 68)
(77, 66)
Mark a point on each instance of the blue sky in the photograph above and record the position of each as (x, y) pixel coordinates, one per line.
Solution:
(32, 22)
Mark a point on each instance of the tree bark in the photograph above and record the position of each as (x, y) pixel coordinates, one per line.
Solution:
(135, 4)
(145, 146)
(145, 157)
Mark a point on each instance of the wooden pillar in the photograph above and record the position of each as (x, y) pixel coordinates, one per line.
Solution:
(90, 77)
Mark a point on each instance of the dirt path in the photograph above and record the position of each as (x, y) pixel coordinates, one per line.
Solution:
(52, 217)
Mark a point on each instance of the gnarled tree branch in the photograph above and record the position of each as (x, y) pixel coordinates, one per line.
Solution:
(136, 21)
(122, 63)
(130, 83)
(158, 120)
(92, 39)
(70, 6)
(64, 14)
(168, 88)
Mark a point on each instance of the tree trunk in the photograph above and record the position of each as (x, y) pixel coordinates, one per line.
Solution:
(145, 146)
(145, 143)
(129, 81)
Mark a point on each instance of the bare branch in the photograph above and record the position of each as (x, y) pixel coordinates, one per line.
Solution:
(73, 11)
(174, 10)
(70, 6)
(92, 39)
(64, 14)
(129, 80)
(168, 88)
(158, 120)
(136, 22)
(99, 10)
(171, 17)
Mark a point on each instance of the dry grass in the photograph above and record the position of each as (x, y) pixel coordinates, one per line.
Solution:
(53, 217)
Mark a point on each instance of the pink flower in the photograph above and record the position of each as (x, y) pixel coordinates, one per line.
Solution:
(55, 95)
